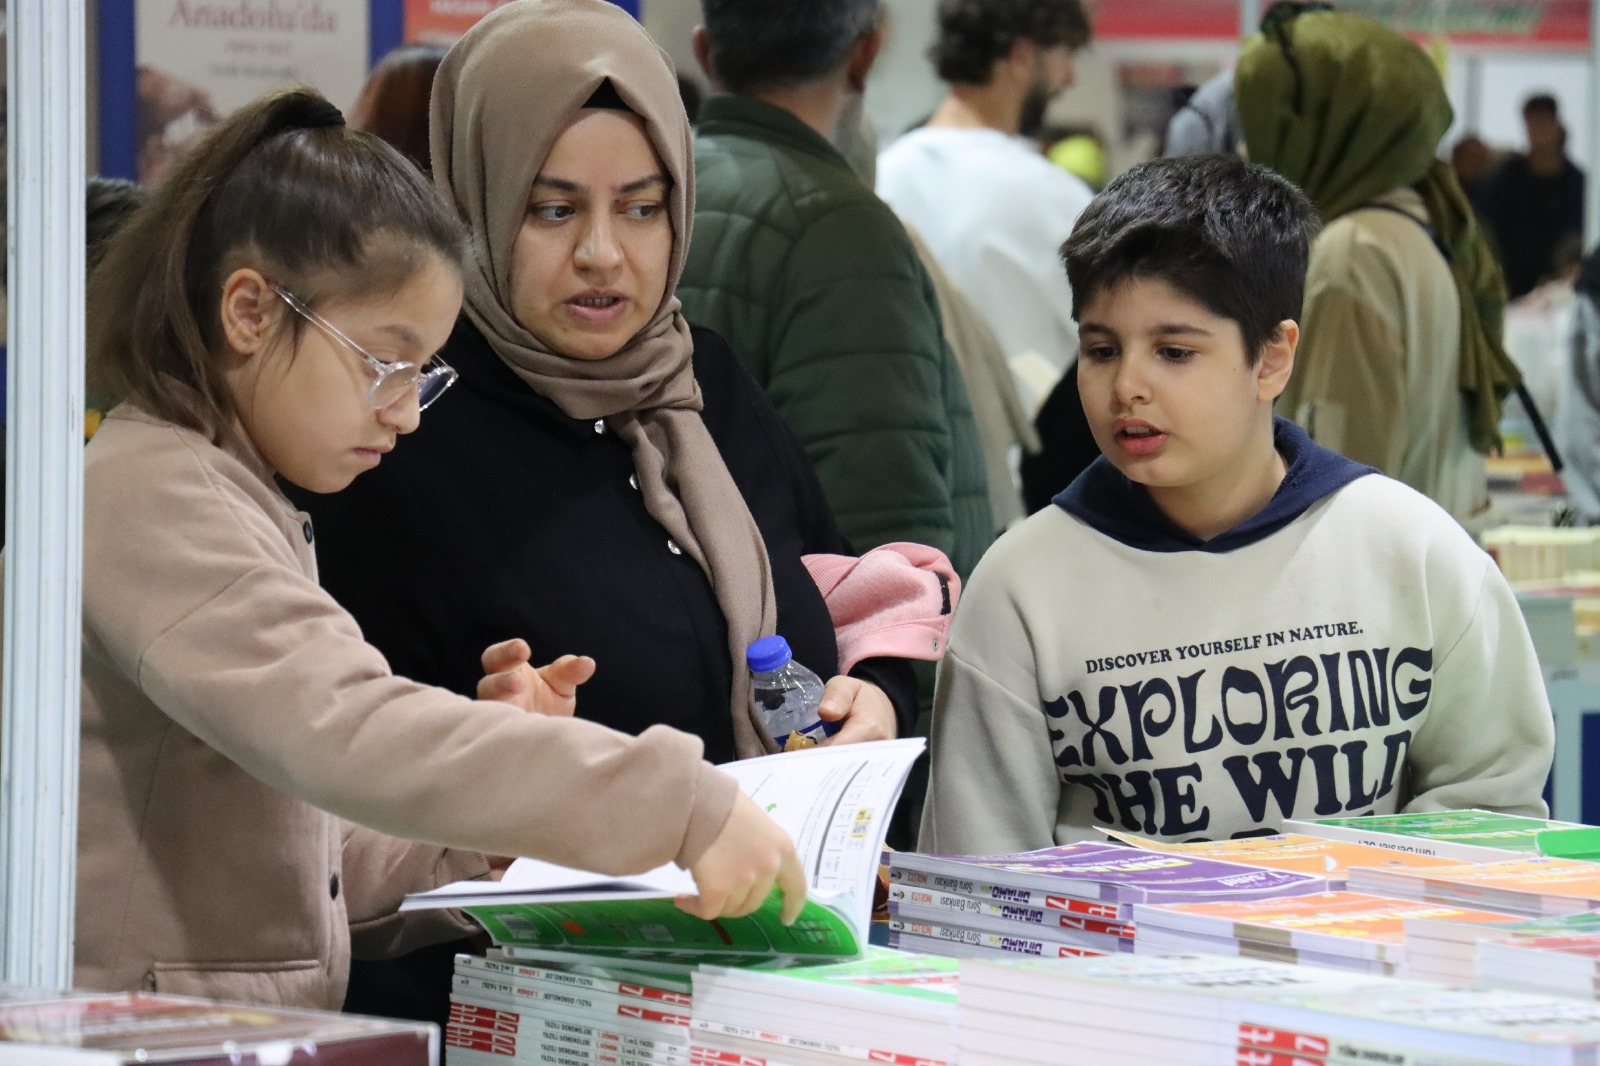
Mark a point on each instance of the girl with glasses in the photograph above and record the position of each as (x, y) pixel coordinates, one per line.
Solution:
(250, 764)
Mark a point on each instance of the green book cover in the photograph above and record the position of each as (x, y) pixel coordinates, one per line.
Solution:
(834, 802)
(650, 927)
(1471, 835)
(926, 978)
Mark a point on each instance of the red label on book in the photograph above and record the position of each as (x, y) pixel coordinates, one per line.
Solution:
(646, 1014)
(1249, 1057)
(479, 1040)
(1080, 906)
(1260, 1036)
(661, 994)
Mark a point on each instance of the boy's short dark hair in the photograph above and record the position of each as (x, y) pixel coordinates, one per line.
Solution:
(1230, 235)
(974, 34)
(756, 44)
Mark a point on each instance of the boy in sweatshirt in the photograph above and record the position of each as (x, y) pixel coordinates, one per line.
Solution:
(1220, 625)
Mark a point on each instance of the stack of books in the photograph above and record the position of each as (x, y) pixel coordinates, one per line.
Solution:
(1535, 887)
(1323, 856)
(1466, 835)
(596, 968)
(565, 1012)
(889, 1006)
(1528, 553)
(1343, 930)
(1565, 965)
(1189, 1010)
(1454, 947)
(108, 1029)
(1062, 902)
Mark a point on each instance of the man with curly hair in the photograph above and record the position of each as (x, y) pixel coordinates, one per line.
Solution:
(993, 210)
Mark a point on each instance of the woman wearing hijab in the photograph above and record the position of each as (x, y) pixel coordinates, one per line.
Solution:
(1400, 362)
(603, 476)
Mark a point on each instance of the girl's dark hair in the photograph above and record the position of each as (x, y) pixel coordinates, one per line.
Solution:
(394, 102)
(322, 210)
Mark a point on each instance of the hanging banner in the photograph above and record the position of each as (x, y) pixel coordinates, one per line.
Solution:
(1562, 24)
(196, 61)
(442, 21)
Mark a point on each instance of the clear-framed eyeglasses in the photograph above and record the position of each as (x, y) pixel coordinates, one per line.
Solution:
(392, 379)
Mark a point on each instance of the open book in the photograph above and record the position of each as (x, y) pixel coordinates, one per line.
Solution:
(834, 801)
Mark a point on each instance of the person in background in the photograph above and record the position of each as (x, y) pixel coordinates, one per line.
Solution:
(972, 181)
(1473, 162)
(1577, 418)
(1142, 656)
(1207, 122)
(1534, 200)
(394, 101)
(1402, 366)
(690, 93)
(817, 287)
(1005, 430)
(272, 316)
(605, 478)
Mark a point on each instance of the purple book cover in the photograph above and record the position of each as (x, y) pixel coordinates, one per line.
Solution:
(1116, 873)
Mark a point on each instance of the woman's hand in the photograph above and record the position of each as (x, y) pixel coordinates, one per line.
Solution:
(553, 689)
(736, 873)
(863, 707)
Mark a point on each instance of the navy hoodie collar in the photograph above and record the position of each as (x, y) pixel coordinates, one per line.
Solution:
(1104, 498)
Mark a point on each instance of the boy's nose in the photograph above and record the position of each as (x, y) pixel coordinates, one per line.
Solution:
(1131, 384)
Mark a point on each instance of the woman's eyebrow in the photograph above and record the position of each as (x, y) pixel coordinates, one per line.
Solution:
(637, 185)
(643, 183)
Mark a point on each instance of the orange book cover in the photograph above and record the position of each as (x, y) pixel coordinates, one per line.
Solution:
(1335, 922)
(1297, 852)
(1534, 876)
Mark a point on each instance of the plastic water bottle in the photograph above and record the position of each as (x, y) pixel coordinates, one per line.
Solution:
(786, 695)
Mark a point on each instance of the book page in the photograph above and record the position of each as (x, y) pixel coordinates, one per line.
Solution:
(835, 803)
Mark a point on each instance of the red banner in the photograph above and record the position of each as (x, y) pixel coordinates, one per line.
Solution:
(1481, 23)
(442, 21)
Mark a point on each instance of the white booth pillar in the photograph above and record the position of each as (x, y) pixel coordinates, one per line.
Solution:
(43, 573)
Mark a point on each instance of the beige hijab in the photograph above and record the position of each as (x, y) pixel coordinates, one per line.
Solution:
(502, 97)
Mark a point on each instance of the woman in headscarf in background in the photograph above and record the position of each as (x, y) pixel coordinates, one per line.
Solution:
(1400, 362)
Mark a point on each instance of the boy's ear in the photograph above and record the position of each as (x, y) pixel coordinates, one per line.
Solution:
(250, 311)
(1277, 361)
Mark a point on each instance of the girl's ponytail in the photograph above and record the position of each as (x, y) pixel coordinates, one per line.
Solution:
(282, 185)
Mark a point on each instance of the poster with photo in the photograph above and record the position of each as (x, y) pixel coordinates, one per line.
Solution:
(197, 60)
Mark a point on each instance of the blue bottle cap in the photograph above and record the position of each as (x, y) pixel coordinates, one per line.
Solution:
(767, 654)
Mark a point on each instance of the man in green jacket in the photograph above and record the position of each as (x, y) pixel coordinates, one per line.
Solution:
(815, 284)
